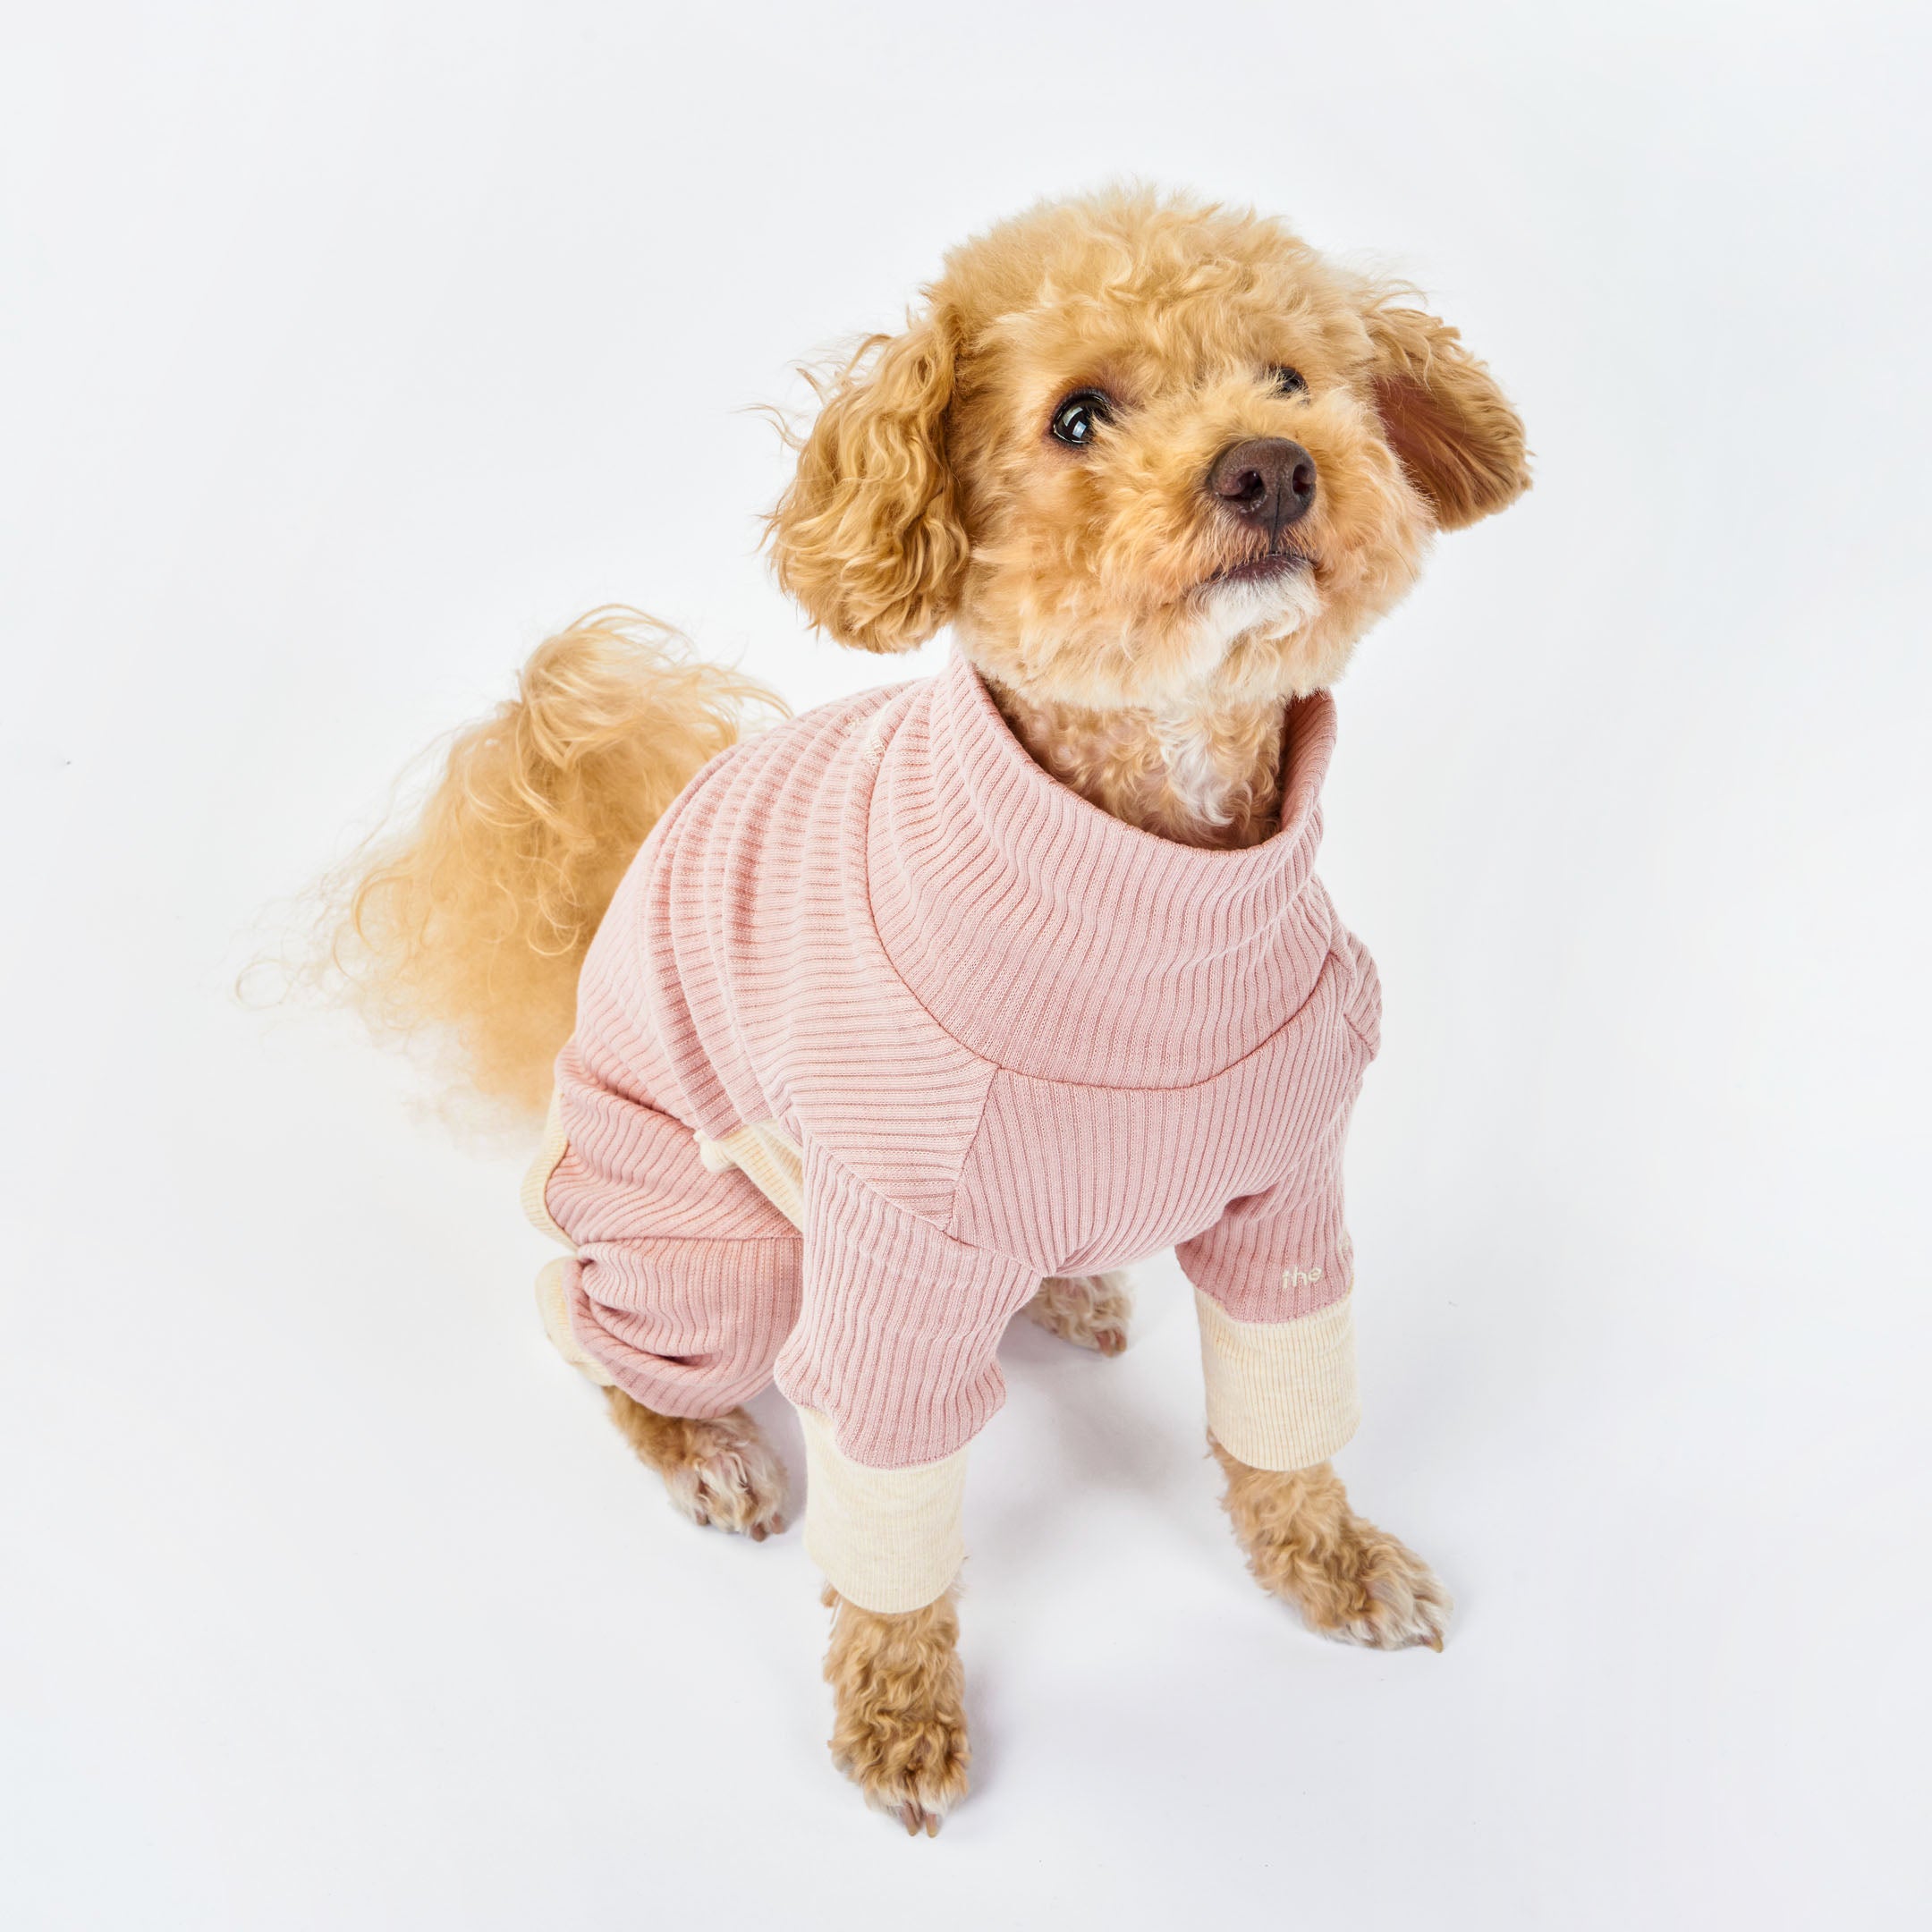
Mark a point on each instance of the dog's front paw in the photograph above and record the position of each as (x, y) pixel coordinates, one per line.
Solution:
(899, 1695)
(1349, 1580)
(1089, 1310)
(1378, 1592)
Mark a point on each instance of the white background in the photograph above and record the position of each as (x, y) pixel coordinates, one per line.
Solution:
(347, 349)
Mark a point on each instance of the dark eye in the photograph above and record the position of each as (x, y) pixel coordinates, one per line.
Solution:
(1075, 420)
(1290, 381)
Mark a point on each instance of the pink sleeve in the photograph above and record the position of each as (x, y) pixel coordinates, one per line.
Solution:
(893, 1368)
(1272, 1282)
(899, 1328)
(1283, 1254)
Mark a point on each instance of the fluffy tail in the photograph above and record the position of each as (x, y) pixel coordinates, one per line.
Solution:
(471, 923)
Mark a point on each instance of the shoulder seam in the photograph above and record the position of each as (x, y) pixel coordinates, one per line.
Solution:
(972, 1141)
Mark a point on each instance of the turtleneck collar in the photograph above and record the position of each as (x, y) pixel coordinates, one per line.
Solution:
(1062, 942)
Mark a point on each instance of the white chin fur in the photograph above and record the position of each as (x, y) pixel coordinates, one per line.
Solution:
(1281, 608)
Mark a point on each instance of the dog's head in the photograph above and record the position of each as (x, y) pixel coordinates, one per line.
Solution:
(1141, 451)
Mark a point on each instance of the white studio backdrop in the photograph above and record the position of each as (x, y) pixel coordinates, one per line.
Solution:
(346, 349)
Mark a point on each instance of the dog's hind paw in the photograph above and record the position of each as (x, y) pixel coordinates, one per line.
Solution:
(730, 1480)
(1089, 1310)
(719, 1472)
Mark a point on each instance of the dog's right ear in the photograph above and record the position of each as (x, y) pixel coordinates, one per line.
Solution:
(868, 538)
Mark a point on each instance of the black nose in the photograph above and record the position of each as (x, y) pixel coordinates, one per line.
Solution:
(1267, 481)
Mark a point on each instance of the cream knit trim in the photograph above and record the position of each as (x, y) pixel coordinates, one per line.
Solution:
(549, 1157)
(1281, 1396)
(887, 1539)
(553, 1282)
(553, 1304)
(765, 1157)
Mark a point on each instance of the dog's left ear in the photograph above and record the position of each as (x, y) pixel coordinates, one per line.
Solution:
(868, 536)
(1449, 425)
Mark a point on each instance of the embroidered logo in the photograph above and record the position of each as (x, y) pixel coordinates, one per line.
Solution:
(1300, 1278)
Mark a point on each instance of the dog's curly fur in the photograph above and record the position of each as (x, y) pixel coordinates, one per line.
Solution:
(472, 922)
(899, 1699)
(1089, 1310)
(718, 1470)
(1092, 581)
(1143, 642)
(1349, 1580)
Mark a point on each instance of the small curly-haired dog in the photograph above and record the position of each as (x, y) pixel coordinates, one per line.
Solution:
(944, 1002)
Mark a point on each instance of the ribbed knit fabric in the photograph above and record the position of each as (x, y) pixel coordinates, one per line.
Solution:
(1004, 1036)
(1281, 1396)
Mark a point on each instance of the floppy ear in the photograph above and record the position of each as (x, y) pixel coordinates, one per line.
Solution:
(867, 537)
(1454, 434)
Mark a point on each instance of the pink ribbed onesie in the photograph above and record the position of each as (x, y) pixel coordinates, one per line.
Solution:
(876, 973)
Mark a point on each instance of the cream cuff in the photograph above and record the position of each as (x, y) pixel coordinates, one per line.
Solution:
(887, 1539)
(553, 1304)
(553, 1281)
(1281, 1396)
(549, 1158)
